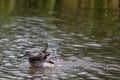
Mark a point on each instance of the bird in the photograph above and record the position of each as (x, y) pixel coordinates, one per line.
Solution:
(39, 60)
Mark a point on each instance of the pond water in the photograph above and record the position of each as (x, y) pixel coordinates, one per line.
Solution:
(84, 43)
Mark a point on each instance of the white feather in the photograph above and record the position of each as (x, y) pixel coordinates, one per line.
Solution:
(49, 65)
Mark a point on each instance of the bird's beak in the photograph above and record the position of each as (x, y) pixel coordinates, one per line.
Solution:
(22, 56)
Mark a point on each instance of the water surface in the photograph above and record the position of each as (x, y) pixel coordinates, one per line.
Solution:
(84, 43)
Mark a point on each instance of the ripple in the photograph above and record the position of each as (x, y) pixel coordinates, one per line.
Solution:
(76, 45)
(93, 44)
(95, 78)
(8, 52)
(34, 19)
(57, 39)
(8, 64)
(21, 40)
(82, 73)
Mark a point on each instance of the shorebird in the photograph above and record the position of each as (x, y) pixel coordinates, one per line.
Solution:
(39, 60)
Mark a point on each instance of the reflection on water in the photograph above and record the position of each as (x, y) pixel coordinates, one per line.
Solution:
(83, 41)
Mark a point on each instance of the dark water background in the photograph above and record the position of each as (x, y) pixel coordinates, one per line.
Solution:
(83, 38)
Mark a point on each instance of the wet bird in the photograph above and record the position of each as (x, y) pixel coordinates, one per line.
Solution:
(39, 60)
(44, 53)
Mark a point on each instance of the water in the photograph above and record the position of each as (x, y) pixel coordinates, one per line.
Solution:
(84, 43)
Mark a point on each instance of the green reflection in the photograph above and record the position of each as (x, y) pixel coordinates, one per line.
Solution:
(75, 14)
(6, 8)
